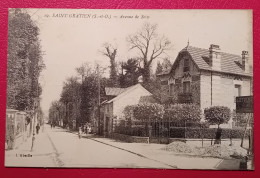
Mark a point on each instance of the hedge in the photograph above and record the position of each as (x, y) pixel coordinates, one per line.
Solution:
(208, 133)
(179, 132)
(132, 131)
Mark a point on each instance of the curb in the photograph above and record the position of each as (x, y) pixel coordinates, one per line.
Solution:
(140, 155)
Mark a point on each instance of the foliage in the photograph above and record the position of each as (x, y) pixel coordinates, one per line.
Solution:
(111, 53)
(130, 73)
(165, 66)
(206, 133)
(240, 119)
(147, 112)
(56, 112)
(217, 114)
(183, 113)
(132, 131)
(24, 61)
(81, 98)
(159, 68)
(128, 114)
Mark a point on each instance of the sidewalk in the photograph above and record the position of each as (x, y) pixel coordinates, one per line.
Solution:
(42, 155)
(153, 151)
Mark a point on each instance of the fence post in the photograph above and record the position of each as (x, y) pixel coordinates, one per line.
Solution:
(202, 135)
(185, 129)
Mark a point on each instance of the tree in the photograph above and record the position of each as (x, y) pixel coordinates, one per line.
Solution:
(146, 113)
(81, 98)
(24, 61)
(84, 70)
(217, 115)
(56, 113)
(159, 68)
(130, 73)
(166, 65)
(150, 45)
(111, 53)
(70, 97)
(181, 113)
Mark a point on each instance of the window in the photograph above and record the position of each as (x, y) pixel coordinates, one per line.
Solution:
(165, 82)
(186, 87)
(186, 65)
(237, 91)
(171, 91)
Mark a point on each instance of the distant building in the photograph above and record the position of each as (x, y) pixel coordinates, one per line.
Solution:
(207, 77)
(118, 99)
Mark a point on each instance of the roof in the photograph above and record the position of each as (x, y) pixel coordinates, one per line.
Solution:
(228, 61)
(11, 110)
(125, 91)
(114, 91)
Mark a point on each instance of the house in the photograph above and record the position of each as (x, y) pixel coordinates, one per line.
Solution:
(118, 99)
(17, 128)
(208, 77)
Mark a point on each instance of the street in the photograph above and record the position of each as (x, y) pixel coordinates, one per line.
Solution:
(59, 148)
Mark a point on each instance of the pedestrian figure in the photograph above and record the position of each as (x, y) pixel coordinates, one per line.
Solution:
(80, 132)
(51, 125)
(218, 136)
(33, 139)
(37, 129)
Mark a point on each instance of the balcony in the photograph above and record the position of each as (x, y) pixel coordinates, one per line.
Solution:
(185, 98)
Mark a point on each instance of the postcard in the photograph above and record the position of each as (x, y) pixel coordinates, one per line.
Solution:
(99, 88)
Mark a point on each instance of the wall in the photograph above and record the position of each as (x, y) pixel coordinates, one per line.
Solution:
(132, 97)
(223, 89)
(205, 90)
(177, 73)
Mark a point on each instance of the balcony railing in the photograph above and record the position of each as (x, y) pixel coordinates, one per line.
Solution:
(185, 97)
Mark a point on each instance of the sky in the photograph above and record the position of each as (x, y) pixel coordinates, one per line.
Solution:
(71, 37)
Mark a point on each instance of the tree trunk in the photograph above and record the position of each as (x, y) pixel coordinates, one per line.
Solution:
(218, 136)
(146, 74)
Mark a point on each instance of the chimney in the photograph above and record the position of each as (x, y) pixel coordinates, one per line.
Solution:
(140, 79)
(215, 57)
(245, 65)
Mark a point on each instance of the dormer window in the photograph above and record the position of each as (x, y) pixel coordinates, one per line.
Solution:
(186, 67)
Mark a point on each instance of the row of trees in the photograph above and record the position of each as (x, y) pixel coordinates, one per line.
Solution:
(146, 112)
(81, 95)
(177, 115)
(149, 46)
(24, 65)
(24, 61)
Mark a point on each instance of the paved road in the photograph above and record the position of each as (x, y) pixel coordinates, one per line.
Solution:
(59, 148)
(75, 152)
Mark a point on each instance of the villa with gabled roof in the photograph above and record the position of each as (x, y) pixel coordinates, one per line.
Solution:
(118, 99)
(208, 77)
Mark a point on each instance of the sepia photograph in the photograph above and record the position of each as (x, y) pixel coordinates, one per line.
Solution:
(107, 88)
